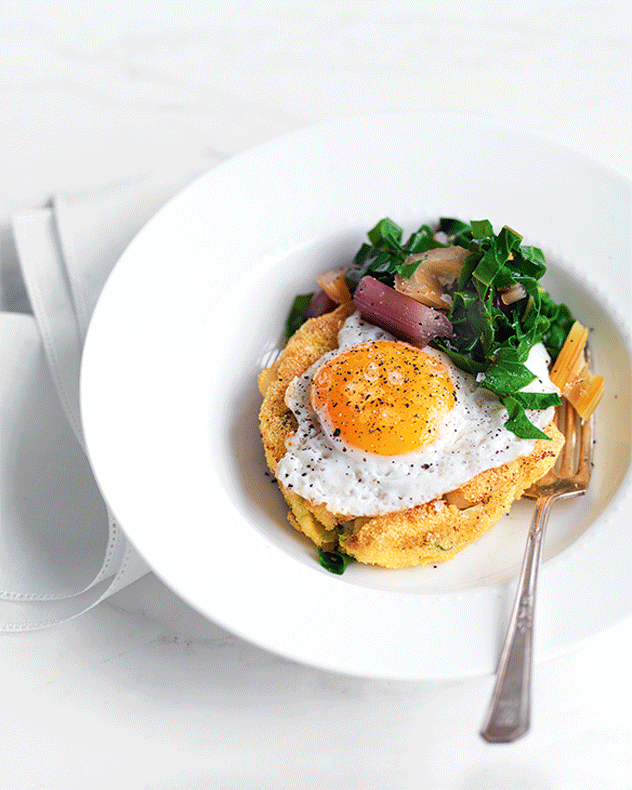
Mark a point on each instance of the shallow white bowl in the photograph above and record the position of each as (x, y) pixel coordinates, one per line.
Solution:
(197, 303)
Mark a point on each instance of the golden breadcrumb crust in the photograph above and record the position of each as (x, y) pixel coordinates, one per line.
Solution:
(429, 533)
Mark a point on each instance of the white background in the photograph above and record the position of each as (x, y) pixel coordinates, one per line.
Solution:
(141, 692)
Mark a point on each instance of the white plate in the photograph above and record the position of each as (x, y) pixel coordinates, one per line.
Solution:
(197, 301)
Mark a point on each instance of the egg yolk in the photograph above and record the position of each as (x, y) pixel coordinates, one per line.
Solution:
(383, 397)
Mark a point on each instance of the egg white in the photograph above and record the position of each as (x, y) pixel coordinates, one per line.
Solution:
(349, 482)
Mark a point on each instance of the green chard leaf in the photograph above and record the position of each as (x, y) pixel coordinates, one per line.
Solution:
(560, 320)
(407, 269)
(467, 319)
(362, 254)
(385, 234)
(461, 360)
(297, 314)
(535, 257)
(482, 228)
(537, 400)
(505, 277)
(422, 241)
(518, 422)
(487, 269)
(381, 258)
(507, 374)
(457, 231)
(507, 241)
(334, 561)
(469, 264)
(488, 334)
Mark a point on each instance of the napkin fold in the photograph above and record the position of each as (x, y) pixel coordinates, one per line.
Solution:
(61, 549)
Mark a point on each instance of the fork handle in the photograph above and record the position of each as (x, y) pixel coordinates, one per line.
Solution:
(509, 711)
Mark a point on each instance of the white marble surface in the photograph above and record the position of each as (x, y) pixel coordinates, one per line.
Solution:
(141, 692)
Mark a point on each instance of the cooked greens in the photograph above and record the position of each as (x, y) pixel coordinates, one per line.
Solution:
(491, 339)
(298, 314)
(334, 561)
(385, 256)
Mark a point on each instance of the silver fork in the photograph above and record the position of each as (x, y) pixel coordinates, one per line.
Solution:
(509, 713)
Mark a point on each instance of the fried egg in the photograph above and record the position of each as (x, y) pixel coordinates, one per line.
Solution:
(384, 426)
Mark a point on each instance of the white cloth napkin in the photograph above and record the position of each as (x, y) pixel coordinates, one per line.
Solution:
(61, 550)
